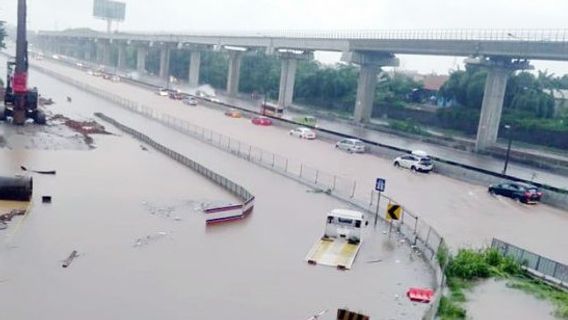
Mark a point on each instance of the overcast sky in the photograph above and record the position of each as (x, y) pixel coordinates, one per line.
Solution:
(218, 15)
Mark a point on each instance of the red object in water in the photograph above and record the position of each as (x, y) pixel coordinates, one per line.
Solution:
(420, 295)
(261, 121)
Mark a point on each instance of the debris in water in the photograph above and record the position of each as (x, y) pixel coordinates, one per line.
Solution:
(68, 99)
(140, 242)
(14, 212)
(42, 101)
(69, 259)
(374, 260)
(143, 148)
(326, 191)
(46, 199)
(38, 171)
(85, 128)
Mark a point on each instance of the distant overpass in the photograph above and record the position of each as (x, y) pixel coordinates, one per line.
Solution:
(500, 51)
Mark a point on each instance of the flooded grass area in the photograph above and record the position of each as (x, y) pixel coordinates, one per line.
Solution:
(483, 284)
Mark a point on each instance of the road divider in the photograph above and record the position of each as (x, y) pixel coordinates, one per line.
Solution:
(217, 214)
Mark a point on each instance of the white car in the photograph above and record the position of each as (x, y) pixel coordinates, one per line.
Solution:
(417, 161)
(303, 133)
(351, 145)
(162, 92)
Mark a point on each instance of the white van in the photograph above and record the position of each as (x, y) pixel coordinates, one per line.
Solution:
(346, 224)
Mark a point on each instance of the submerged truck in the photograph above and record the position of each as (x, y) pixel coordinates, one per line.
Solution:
(341, 240)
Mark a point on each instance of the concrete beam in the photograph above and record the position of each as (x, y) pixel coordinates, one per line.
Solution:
(194, 65)
(234, 72)
(370, 64)
(499, 70)
(141, 53)
(165, 63)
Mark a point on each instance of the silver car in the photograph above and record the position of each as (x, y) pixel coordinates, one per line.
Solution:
(351, 145)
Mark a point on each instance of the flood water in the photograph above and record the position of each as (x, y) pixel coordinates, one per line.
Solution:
(465, 214)
(492, 299)
(144, 250)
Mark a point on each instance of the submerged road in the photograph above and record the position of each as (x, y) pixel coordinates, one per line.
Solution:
(107, 198)
(465, 214)
(482, 161)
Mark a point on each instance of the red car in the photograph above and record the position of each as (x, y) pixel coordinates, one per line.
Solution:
(261, 121)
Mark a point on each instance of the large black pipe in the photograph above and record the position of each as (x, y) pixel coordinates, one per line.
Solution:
(16, 188)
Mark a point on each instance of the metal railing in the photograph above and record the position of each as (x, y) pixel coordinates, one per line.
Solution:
(524, 35)
(552, 270)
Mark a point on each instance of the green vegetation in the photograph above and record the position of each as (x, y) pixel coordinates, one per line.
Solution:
(468, 266)
(2, 34)
(408, 126)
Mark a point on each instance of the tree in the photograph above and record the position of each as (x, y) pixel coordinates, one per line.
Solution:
(2, 35)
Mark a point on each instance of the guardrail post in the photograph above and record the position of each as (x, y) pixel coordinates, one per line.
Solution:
(415, 224)
(537, 263)
(301, 169)
(273, 160)
(371, 203)
(250, 149)
(286, 168)
(317, 174)
(334, 178)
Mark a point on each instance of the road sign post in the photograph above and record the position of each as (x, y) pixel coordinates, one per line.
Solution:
(394, 212)
(380, 185)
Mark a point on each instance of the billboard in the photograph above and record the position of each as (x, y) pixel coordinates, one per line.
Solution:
(109, 10)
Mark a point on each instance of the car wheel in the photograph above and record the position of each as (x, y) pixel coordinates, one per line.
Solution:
(492, 192)
(413, 169)
(350, 150)
(396, 164)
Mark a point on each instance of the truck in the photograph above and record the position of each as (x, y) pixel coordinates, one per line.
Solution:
(341, 240)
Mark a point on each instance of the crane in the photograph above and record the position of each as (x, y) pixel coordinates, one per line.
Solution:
(20, 102)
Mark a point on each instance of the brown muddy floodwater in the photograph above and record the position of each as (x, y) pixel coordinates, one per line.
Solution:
(145, 253)
(492, 299)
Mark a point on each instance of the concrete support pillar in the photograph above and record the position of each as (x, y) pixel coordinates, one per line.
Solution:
(141, 53)
(98, 53)
(106, 54)
(365, 92)
(234, 72)
(370, 65)
(194, 64)
(499, 70)
(287, 80)
(121, 63)
(491, 108)
(165, 63)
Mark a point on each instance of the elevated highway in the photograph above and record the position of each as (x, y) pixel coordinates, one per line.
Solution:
(502, 52)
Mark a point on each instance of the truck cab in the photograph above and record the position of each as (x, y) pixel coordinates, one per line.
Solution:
(344, 224)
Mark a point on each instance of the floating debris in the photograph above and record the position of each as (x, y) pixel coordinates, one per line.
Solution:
(70, 259)
(140, 242)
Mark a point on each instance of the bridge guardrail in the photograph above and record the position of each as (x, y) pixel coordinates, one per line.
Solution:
(511, 35)
(549, 269)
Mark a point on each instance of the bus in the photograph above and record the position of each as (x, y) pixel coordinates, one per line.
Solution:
(272, 110)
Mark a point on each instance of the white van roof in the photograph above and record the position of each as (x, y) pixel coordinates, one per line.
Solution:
(345, 213)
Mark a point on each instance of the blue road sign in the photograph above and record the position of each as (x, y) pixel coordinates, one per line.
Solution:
(380, 184)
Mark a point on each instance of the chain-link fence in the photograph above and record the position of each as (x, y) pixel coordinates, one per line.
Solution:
(552, 270)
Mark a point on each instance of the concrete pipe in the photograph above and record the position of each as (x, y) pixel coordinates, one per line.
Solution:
(16, 188)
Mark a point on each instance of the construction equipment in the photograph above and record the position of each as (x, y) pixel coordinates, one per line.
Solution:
(20, 102)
